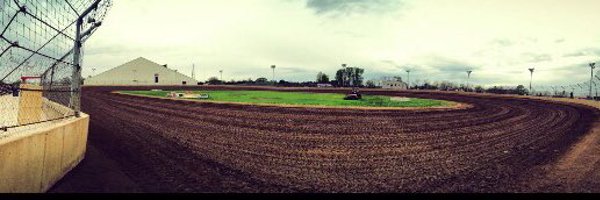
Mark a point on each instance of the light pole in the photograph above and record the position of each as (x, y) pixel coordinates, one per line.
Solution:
(221, 72)
(344, 75)
(468, 77)
(273, 67)
(408, 79)
(592, 66)
(595, 89)
(531, 78)
(193, 73)
(596, 85)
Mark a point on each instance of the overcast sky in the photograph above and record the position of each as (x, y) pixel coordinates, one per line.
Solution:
(436, 39)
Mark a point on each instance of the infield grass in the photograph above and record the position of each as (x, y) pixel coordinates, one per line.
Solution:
(302, 98)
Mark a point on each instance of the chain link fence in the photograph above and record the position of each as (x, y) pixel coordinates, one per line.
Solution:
(40, 57)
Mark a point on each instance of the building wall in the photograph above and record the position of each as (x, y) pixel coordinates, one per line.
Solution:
(140, 72)
(393, 84)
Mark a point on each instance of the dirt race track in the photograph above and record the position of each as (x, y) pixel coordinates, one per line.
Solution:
(500, 144)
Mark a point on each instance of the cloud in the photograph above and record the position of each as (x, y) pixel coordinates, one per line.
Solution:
(391, 62)
(344, 7)
(502, 42)
(294, 70)
(436, 39)
(431, 67)
(446, 64)
(584, 52)
(535, 57)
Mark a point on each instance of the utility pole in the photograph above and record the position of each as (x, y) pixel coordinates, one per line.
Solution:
(592, 67)
(531, 79)
(408, 79)
(468, 77)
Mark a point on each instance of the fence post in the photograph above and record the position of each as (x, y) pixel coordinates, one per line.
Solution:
(30, 104)
(76, 77)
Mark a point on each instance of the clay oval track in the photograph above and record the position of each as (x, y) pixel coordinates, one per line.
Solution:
(495, 145)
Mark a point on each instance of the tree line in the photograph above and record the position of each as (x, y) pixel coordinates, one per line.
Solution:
(353, 77)
(345, 77)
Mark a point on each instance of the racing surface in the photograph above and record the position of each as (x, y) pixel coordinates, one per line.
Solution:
(499, 144)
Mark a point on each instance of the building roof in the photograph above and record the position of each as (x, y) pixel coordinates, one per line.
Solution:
(141, 66)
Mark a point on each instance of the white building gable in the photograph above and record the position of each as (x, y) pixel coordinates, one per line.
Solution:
(392, 83)
(140, 71)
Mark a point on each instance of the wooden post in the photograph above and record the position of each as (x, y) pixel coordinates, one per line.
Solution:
(30, 104)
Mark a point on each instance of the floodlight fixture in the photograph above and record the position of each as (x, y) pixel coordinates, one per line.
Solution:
(273, 68)
(531, 77)
(344, 74)
(592, 67)
(468, 77)
(408, 79)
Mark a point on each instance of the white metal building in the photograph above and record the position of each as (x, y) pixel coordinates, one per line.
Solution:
(140, 71)
(392, 83)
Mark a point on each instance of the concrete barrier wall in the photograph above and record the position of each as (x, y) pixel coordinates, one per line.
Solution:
(35, 160)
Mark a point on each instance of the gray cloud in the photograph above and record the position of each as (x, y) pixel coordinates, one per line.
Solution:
(434, 67)
(337, 7)
(502, 42)
(505, 42)
(574, 54)
(444, 64)
(351, 34)
(248, 38)
(295, 70)
(391, 62)
(584, 52)
(534, 57)
(572, 68)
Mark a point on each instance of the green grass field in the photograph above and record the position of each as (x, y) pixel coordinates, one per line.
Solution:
(302, 98)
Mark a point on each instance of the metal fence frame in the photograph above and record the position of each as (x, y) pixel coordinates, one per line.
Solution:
(37, 17)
